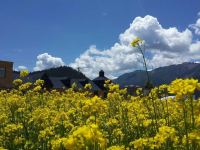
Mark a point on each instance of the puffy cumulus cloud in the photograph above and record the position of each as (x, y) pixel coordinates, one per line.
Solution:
(156, 37)
(114, 61)
(161, 59)
(164, 46)
(19, 68)
(45, 61)
(195, 47)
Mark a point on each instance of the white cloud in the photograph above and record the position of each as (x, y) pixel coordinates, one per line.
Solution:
(155, 36)
(197, 62)
(196, 26)
(19, 68)
(45, 61)
(195, 47)
(161, 59)
(165, 46)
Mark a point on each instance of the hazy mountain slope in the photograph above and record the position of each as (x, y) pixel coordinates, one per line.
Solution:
(161, 75)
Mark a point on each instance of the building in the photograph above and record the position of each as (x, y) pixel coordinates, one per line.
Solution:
(64, 77)
(100, 81)
(6, 74)
(55, 78)
(65, 82)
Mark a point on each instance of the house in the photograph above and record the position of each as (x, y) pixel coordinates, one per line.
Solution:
(64, 77)
(55, 78)
(65, 82)
(100, 81)
(6, 74)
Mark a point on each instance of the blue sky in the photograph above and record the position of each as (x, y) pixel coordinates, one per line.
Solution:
(66, 29)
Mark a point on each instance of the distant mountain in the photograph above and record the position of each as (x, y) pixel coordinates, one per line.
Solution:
(63, 71)
(162, 75)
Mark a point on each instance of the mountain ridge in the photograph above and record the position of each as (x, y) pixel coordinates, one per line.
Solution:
(63, 71)
(161, 75)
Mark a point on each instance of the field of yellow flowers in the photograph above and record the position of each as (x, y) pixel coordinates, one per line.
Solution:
(33, 118)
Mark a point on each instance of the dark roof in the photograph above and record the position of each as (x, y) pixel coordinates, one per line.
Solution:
(94, 86)
(100, 78)
(57, 82)
(80, 83)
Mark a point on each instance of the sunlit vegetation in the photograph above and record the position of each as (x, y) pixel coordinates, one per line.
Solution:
(33, 118)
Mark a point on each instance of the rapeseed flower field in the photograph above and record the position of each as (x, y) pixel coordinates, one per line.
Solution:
(34, 118)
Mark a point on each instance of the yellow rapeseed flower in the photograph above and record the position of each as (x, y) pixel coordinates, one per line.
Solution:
(183, 87)
(24, 73)
(135, 42)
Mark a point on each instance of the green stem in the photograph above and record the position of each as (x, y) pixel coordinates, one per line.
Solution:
(193, 119)
(167, 111)
(186, 127)
(145, 64)
(192, 111)
(154, 110)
